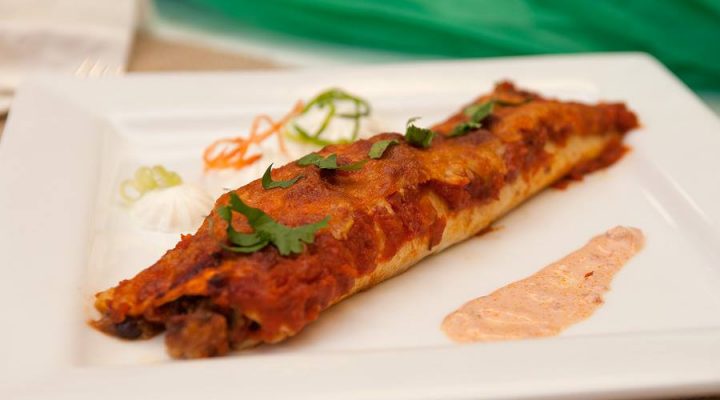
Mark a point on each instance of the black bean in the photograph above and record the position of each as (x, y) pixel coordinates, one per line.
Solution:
(128, 329)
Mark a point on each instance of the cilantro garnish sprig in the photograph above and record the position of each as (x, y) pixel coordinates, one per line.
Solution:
(416, 136)
(378, 148)
(329, 162)
(288, 240)
(478, 113)
(268, 182)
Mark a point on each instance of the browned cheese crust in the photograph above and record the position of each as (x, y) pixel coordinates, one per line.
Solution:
(384, 218)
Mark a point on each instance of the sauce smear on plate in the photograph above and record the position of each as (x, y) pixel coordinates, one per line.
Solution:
(561, 294)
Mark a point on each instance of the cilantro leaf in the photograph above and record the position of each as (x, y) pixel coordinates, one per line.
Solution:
(245, 242)
(246, 249)
(245, 239)
(225, 213)
(463, 128)
(329, 162)
(418, 137)
(353, 166)
(288, 240)
(378, 148)
(255, 216)
(478, 112)
(268, 183)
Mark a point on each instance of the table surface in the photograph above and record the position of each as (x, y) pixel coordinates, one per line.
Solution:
(152, 54)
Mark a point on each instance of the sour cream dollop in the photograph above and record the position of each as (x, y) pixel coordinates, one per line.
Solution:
(176, 209)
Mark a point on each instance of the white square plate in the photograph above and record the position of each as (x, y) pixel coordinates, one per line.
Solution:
(68, 144)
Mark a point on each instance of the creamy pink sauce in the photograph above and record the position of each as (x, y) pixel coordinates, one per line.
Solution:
(559, 295)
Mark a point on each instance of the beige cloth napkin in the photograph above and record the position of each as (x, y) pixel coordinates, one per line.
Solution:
(59, 35)
(150, 53)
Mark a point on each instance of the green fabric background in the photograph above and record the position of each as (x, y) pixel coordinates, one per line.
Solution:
(683, 34)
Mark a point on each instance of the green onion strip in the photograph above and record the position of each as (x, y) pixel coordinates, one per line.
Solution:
(328, 100)
(147, 179)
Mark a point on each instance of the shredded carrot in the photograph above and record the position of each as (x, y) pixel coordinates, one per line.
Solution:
(232, 152)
